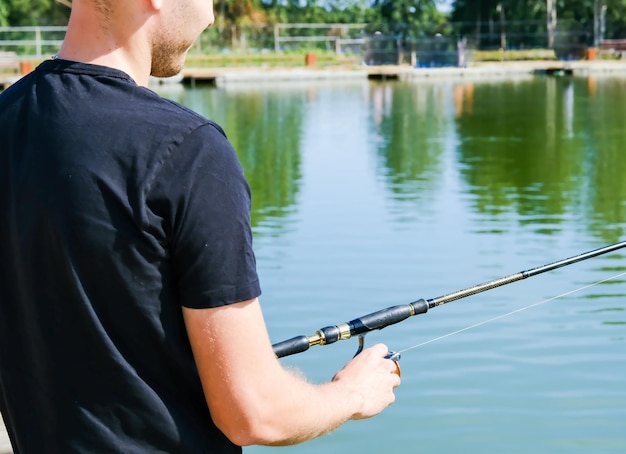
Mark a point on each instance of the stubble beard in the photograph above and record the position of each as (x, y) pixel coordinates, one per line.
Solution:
(171, 44)
(168, 58)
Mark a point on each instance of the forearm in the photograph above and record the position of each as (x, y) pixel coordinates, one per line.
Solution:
(254, 400)
(294, 411)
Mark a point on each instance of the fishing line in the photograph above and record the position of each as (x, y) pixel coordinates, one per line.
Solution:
(516, 311)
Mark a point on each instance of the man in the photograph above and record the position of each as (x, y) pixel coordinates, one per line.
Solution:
(129, 318)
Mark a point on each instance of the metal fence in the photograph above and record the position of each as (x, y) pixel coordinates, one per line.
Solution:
(448, 46)
(445, 48)
(340, 38)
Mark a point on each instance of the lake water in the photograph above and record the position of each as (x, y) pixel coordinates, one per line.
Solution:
(372, 194)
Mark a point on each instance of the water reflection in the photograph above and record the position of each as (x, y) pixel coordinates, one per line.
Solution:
(542, 149)
(604, 165)
(545, 150)
(413, 124)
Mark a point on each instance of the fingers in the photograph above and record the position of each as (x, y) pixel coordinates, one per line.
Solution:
(397, 371)
(380, 363)
(373, 362)
(373, 377)
(381, 349)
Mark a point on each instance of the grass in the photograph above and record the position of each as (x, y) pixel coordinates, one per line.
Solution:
(269, 59)
(513, 55)
(329, 59)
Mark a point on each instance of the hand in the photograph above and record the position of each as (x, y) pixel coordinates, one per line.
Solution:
(371, 378)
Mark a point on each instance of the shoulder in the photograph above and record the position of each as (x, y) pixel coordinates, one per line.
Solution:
(202, 157)
(182, 126)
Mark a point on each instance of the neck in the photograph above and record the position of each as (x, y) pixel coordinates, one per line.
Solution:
(116, 43)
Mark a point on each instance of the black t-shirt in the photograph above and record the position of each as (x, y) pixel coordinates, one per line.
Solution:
(117, 207)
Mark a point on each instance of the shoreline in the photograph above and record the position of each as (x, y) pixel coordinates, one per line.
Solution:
(233, 75)
(220, 76)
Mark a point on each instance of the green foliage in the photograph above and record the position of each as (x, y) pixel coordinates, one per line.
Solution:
(531, 15)
(32, 12)
(408, 18)
(401, 18)
(4, 14)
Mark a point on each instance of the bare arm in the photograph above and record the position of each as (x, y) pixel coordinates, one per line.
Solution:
(253, 400)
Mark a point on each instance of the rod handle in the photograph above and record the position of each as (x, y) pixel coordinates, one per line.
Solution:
(291, 346)
(380, 319)
(385, 317)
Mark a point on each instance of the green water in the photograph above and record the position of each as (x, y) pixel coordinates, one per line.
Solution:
(370, 194)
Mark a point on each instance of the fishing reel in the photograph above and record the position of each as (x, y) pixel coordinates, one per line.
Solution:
(393, 356)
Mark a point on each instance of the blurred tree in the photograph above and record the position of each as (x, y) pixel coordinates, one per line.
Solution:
(4, 14)
(408, 18)
(401, 18)
(33, 12)
(530, 17)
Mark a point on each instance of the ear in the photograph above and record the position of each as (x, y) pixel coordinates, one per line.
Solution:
(156, 4)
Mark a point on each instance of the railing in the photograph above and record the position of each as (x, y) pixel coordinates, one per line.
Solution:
(43, 41)
(339, 36)
(31, 42)
(355, 39)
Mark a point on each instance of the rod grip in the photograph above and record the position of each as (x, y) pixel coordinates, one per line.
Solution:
(291, 346)
(380, 319)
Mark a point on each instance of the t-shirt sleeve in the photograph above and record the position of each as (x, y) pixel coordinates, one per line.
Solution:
(204, 201)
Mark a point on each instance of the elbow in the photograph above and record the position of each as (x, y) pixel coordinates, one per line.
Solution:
(244, 437)
(253, 428)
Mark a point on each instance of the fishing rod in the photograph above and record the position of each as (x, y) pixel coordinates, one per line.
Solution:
(395, 314)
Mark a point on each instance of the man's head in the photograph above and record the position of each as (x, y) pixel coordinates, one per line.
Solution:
(141, 37)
